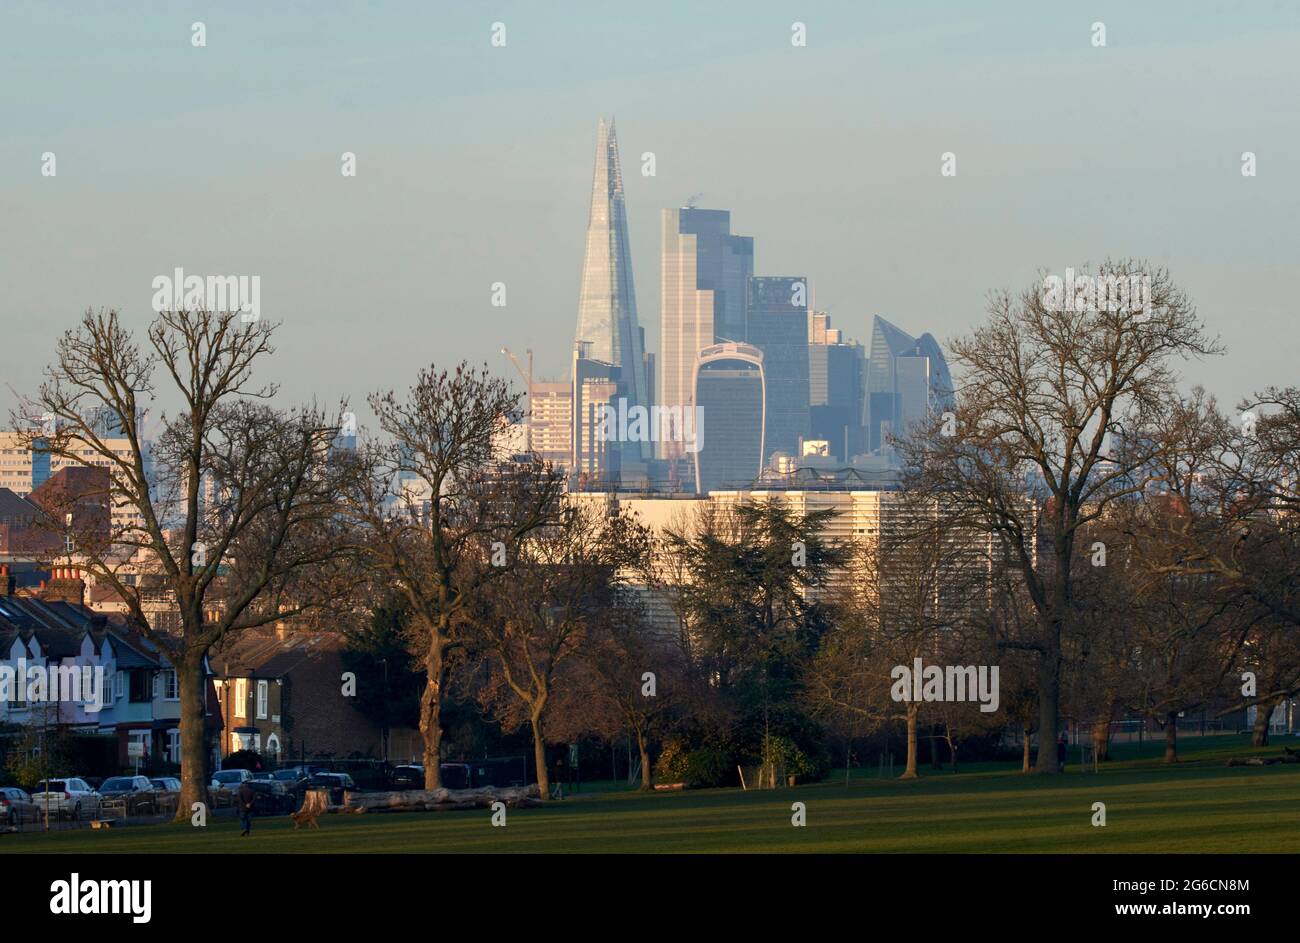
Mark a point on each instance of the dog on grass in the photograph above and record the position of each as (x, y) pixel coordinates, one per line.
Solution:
(306, 817)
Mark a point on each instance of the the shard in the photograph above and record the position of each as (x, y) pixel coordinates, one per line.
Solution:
(607, 320)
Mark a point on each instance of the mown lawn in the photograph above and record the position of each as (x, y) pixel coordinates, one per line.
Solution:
(1198, 806)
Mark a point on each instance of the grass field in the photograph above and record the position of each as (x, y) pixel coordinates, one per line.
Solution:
(1198, 806)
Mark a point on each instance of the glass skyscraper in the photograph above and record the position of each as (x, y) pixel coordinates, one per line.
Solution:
(703, 281)
(607, 320)
(778, 326)
(730, 401)
(906, 379)
(837, 377)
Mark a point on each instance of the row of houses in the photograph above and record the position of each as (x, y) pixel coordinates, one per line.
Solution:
(274, 691)
(128, 688)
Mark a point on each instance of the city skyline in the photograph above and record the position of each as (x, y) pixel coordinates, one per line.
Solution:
(421, 233)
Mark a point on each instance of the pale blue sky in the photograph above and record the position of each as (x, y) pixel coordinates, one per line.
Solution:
(475, 162)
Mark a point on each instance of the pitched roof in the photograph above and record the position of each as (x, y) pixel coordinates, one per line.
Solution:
(60, 627)
(262, 654)
(15, 509)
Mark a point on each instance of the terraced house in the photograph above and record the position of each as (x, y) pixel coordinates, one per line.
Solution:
(49, 627)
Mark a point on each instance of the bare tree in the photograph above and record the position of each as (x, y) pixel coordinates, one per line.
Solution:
(226, 510)
(443, 516)
(563, 586)
(1056, 415)
(919, 591)
(1230, 521)
(639, 671)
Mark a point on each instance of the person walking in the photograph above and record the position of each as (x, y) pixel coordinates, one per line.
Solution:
(1060, 753)
(246, 797)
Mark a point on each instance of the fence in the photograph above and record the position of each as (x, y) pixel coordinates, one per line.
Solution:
(135, 810)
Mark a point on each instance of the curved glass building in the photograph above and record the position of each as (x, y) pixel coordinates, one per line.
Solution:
(730, 415)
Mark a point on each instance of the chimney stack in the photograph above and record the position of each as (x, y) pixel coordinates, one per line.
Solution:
(65, 585)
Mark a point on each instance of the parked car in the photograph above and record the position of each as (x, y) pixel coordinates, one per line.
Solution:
(407, 777)
(69, 797)
(230, 778)
(293, 781)
(272, 798)
(135, 794)
(166, 784)
(455, 775)
(336, 783)
(16, 806)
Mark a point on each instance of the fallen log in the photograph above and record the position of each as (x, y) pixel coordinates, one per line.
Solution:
(437, 800)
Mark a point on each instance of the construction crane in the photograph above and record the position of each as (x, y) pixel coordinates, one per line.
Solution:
(528, 381)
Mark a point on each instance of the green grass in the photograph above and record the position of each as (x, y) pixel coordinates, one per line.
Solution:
(1198, 806)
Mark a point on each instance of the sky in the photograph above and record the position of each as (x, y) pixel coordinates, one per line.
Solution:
(474, 164)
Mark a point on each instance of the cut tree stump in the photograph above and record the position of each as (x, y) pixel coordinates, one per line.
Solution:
(437, 800)
(316, 800)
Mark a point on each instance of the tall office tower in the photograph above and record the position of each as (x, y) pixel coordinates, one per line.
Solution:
(597, 386)
(25, 465)
(551, 420)
(607, 304)
(906, 379)
(730, 400)
(703, 280)
(778, 326)
(837, 377)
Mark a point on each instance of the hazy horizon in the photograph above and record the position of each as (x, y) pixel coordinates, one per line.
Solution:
(474, 166)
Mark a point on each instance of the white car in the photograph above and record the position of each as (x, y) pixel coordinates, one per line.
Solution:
(230, 778)
(70, 797)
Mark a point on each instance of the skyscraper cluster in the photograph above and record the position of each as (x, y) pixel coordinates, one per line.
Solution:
(751, 382)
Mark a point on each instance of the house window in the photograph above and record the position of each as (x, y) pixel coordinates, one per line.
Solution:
(273, 745)
(241, 698)
(141, 684)
(119, 685)
(173, 745)
(263, 695)
(171, 689)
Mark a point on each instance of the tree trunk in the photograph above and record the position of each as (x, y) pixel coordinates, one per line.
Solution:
(912, 712)
(1171, 737)
(431, 714)
(539, 757)
(194, 751)
(1101, 738)
(646, 781)
(1049, 688)
(1263, 711)
(1024, 764)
